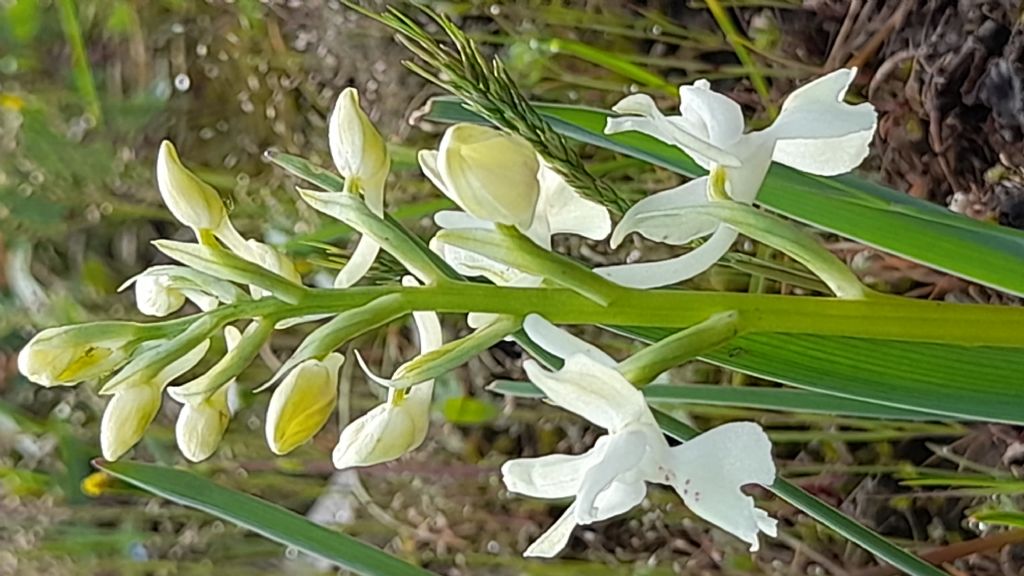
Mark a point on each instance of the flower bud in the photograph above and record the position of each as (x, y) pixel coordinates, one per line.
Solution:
(492, 175)
(203, 420)
(387, 432)
(155, 296)
(302, 403)
(68, 355)
(359, 152)
(193, 202)
(126, 418)
(201, 426)
(162, 290)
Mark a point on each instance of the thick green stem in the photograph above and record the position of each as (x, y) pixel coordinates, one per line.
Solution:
(882, 318)
(644, 366)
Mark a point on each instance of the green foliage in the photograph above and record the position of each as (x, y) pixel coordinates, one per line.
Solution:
(268, 519)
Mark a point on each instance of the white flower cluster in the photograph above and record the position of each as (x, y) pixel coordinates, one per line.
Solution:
(500, 184)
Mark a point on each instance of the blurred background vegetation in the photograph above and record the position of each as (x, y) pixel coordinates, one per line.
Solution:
(88, 89)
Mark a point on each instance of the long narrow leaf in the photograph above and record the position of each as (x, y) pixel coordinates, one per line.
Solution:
(847, 205)
(962, 382)
(260, 516)
(761, 398)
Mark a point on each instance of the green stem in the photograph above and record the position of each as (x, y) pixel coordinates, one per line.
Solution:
(644, 366)
(81, 71)
(737, 41)
(881, 318)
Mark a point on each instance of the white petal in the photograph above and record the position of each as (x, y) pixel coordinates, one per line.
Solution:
(553, 476)
(710, 469)
(623, 452)
(594, 391)
(471, 264)
(428, 324)
(818, 133)
(647, 216)
(455, 220)
(359, 264)
(561, 343)
(720, 116)
(646, 275)
(649, 120)
(551, 542)
(428, 164)
(564, 211)
(619, 498)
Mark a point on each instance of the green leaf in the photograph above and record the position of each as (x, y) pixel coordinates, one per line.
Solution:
(847, 205)
(963, 382)
(260, 516)
(1002, 517)
(760, 398)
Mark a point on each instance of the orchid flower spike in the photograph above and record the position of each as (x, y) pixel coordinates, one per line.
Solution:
(609, 479)
(815, 132)
(133, 407)
(361, 157)
(399, 425)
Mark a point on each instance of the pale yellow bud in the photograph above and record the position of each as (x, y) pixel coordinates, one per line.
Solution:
(358, 150)
(156, 296)
(126, 418)
(201, 426)
(302, 403)
(492, 175)
(71, 354)
(193, 202)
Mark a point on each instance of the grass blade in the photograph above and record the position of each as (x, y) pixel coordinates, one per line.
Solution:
(260, 516)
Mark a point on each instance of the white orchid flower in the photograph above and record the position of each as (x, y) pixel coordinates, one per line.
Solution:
(361, 157)
(611, 478)
(490, 174)
(815, 132)
(399, 425)
(559, 210)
